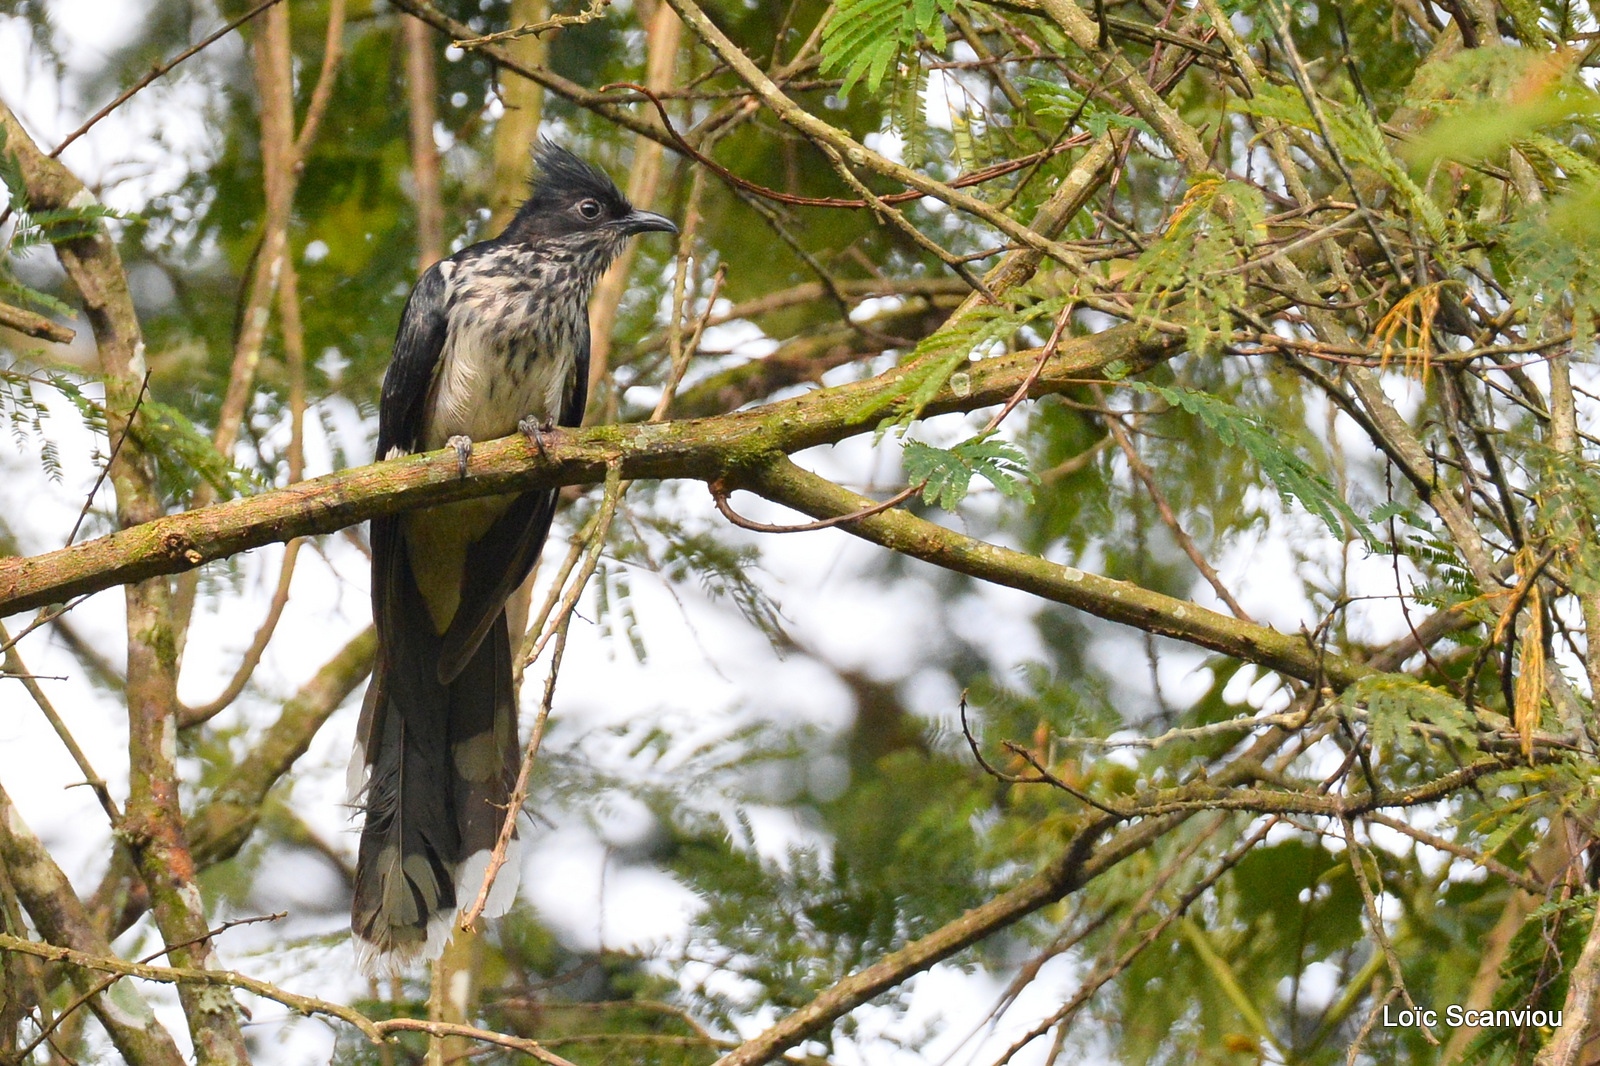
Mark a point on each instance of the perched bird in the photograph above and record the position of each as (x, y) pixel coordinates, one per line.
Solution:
(493, 339)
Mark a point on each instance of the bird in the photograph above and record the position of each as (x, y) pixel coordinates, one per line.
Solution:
(493, 339)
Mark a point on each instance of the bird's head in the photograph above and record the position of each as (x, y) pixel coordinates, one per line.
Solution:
(573, 202)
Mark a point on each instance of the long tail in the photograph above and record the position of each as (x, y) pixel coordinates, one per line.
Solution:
(433, 770)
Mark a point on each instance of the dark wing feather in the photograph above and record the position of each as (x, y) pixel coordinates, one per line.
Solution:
(417, 348)
(496, 565)
(578, 398)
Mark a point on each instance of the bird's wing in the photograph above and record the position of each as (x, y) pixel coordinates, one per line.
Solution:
(417, 348)
(578, 398)
(496, 565)
(405, 391)
(500, 561)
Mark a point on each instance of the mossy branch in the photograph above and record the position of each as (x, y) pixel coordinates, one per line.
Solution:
(702, 448)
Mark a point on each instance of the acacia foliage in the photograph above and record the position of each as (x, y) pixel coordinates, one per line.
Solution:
(1359, 239)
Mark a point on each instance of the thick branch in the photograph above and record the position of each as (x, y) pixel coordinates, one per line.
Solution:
(1118, 601)
(34, 325)
(704, 449)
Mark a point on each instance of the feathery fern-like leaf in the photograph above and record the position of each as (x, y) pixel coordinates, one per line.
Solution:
(1293, 476)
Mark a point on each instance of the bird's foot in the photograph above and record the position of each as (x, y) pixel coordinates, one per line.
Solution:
(534, 430)
(463, 446)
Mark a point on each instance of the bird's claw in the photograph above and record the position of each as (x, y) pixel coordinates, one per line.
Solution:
(534, 430)
(463, 446)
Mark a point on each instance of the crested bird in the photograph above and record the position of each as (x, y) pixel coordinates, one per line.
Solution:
(493, 339)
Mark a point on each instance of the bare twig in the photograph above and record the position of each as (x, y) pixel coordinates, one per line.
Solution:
(1377, 1010)
(14, 668)
(1051, 346)
(597, 539)
(157, 71)
(1169, 518)
(1290, 721)
(189, 717)
(719, 495)
(563, 618)
(116, 447)
(322, 91)
(596, 9)
(1488, 862)
(1375, 921)
(962, 181)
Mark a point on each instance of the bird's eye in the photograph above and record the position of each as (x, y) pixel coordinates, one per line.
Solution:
(589, 209)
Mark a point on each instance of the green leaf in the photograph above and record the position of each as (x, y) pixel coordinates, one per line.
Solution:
(865, 39)
(1392, 509)
(35, 228)
(1394, 701)
(946, 473)
(1062, 101)
(1201, 259)
(1293, 477)
(937, 357)
(168, 435)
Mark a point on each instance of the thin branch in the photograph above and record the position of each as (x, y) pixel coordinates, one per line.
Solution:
(116, 447)
(719, 495)
(1450, 847)
(1146, 477)
(1308, 92)
(155, 72)
(840, 146)
(1063, 317)
(663, 36)
(605, 106)
(1375, 921)
(1354, 1054)
(106, 982)
(596, 9)
(33, 324)
(1290, 721)
(1079, 863)
(14, 668)
(375, 1031)
(519, 794)
(189, 717)
(322, 92)
(961, 181)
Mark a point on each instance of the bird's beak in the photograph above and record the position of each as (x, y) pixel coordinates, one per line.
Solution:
(646, 222)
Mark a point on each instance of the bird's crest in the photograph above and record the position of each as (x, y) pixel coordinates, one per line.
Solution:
(561, 178)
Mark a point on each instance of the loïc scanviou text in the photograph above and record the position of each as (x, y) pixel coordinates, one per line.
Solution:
(1456, 1016)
